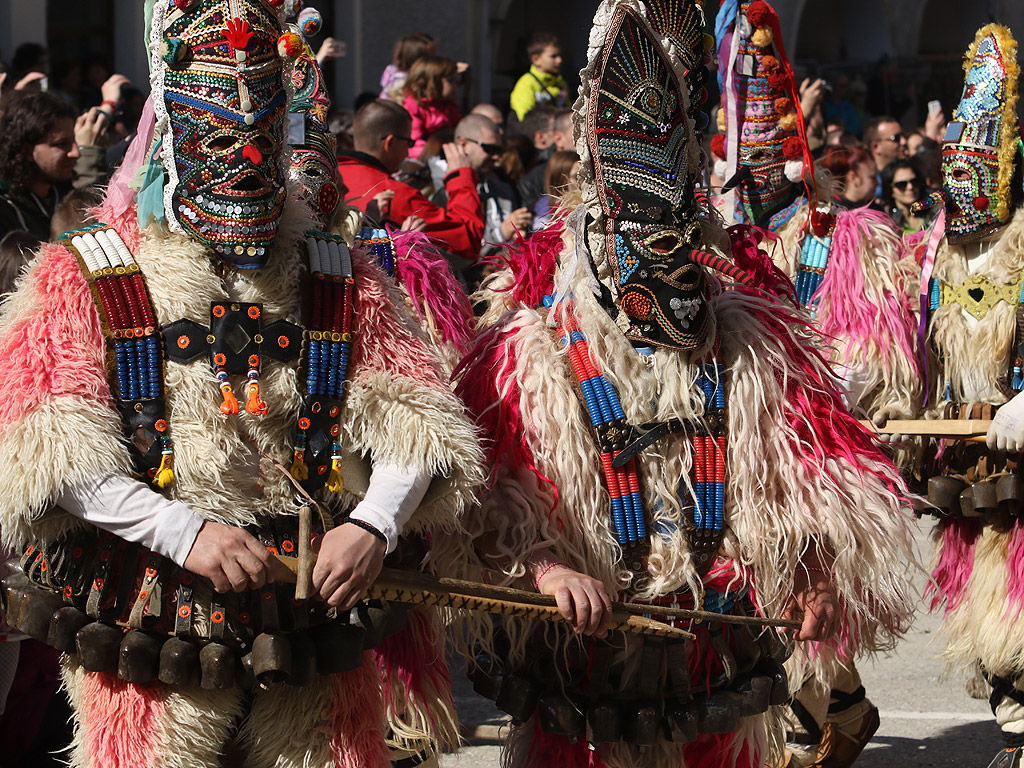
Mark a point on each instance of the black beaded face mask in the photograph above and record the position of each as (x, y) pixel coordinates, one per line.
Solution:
(639, 138)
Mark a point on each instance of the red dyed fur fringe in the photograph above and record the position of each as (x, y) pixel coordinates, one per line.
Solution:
(122, 722)
(956, 561)
(355, 727)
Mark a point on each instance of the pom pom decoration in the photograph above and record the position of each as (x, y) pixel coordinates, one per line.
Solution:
(769, 63)
(788, 122)
(793, 148)
(720, 120)
(721, 169)
(762, 38)
(794, 170)
(760, 13)
(778, 80)
(718, 145)
(980, 202)
(783, 105)
(292, 7)
(289, 45)
(185, 5)
(310, 21)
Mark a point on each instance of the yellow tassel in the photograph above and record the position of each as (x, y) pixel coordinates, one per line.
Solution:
(255, 406)
(336, 483)
(762, 37)
(164, 474)
(230, 404)
(299, 469)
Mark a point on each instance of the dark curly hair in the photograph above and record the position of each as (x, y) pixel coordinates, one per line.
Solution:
(27, 120)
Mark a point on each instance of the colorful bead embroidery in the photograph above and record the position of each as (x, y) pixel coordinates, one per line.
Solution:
(810, 272)
(134, 346)
(380, 245)
(326, 360)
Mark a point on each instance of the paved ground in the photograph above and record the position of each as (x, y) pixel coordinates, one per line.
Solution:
(927, 720)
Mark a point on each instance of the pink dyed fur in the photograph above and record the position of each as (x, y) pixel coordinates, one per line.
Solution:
(58, 349)
(356, 719)
(1015, 569)
(885, 321)
(755, 260)
(122, 722)
(415, 657)
(533, 263)
(383, 342)
(956, 561)
(428, 280)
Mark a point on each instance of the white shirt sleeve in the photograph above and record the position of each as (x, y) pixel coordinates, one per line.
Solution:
(136, 513)
(393, 495)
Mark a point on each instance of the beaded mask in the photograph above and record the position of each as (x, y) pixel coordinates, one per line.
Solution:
(640, 144)
(314, 156)
(221, 107)
(982, 143)
(758, 116)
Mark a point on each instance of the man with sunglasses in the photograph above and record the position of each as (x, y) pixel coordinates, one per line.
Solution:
(505, 218)
(381, 136)
(884, 137)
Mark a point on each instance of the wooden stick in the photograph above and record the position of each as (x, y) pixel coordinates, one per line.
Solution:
(971, 430)
(397, 580)
(304, 574)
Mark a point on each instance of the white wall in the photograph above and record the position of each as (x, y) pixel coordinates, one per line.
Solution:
(21, 22)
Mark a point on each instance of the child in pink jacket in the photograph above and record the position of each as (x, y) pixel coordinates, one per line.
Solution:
(430, 99)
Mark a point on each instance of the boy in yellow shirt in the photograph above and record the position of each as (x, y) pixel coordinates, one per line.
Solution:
(543, 84)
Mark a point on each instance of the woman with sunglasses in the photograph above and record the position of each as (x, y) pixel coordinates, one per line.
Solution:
(902, 186)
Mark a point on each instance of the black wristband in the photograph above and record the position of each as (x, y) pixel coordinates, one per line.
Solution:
(368, 528)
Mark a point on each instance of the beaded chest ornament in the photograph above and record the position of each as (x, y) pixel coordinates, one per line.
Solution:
(134, 347)
(220, 106)
(982, 146)
(378, 244)
(639, 139)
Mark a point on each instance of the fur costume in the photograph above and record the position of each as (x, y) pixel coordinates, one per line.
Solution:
(59, 426)
(797, 464)
(973, 275)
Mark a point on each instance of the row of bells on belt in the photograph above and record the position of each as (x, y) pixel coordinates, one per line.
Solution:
(959, 499)
(640, 722)
(144, 657)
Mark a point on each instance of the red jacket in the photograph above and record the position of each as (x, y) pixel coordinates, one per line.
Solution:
(460, 227)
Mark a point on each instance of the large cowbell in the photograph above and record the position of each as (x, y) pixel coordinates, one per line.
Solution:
(639, 138)
(224, 99)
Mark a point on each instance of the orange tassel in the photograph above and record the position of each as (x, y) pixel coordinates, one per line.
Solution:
(230, 404)
(254, 405)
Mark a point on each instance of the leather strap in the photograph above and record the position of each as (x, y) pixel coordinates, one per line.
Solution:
(185, 606)
(651, 434)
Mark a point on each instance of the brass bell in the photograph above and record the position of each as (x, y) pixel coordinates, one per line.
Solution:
(682, 717)
(37, 612)
(139, 657)
(967, 503)
(643, 724)
(339, 647)
(218, 665)
(271, 658)
(179, 662)
(984, 497)
(560, 716)
(944, 493)
(247, 679)
(303, 659)
(604, 724)
(64, 627)
(719, 712)
(1010, 494)
(99, 646)
(518, 696)
(755, 692)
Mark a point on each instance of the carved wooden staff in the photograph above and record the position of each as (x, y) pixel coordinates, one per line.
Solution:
(420, 589)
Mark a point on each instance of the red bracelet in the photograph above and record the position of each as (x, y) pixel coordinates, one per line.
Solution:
(109, 103)
(548, 567)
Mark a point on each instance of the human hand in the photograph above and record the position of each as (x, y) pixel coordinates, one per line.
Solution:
(811, 94)
(379, 208)
(882, 417)
(461, 67)
(814, 597)
(935, 125)
(330, 50)
(581, 599)
(414, 224)
(349, 559)
(229, 557)
(517, 222)
(29, 80)
(1007, 430)
(111, 89)
(455, 156)
(91, 128)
